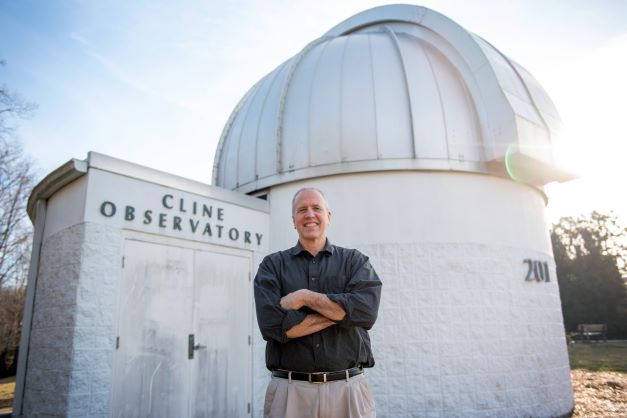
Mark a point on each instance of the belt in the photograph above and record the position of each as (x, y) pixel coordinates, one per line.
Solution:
(318, 377)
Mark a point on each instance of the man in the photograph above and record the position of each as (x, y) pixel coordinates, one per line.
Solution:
(315, 303)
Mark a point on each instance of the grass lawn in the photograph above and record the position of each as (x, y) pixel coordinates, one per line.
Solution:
(608, 357)
(7, 387)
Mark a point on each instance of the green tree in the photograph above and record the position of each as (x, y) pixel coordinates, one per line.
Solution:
(590, 254)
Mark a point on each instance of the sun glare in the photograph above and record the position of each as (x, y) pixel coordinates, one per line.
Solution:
(593, 143)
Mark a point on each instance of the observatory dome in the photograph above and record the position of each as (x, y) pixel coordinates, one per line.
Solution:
(396, 87)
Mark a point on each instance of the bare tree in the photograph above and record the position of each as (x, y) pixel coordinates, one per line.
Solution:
(11, 310)
(12, 108)
(16, 183)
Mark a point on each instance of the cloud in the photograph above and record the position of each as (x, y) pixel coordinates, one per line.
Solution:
(122, 76)
(78, 38)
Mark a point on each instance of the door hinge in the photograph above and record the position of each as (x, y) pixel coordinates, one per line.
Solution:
(250, 276)
(117, 342)
(249, 407)
(250, 340)
(123, 258)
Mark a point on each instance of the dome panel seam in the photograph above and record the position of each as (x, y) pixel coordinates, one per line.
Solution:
(397, 47)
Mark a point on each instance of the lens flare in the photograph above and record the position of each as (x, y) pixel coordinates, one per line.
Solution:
(509, 162)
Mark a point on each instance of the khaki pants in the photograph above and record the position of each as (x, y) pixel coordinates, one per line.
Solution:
(337, 399)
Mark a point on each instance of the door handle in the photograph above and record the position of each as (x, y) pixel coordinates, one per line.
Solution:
(191, 347)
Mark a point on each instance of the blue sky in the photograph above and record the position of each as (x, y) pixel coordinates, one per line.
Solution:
(154, 82)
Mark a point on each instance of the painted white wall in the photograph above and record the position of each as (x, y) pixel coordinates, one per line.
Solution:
(460, 332)
(434, 207)
(66, 207)
(142, 196)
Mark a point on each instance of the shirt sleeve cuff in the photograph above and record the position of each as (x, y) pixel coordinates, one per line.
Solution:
(292, 317)
(340, 300)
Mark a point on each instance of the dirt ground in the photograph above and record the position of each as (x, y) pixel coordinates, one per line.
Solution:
(600, 394)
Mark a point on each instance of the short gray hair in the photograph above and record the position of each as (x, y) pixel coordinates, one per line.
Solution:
(305, 189)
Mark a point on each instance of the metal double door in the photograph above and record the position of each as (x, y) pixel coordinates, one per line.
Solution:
(183, 340)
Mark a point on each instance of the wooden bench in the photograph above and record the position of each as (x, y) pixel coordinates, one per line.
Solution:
(586, 332)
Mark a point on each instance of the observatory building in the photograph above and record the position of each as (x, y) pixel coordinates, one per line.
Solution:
(432, 148)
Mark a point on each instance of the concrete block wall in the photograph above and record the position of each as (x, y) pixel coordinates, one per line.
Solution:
(462, 334)
(48, 377)
(72, 336)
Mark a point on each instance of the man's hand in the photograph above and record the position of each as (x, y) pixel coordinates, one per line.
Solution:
(319, 302)
(311, 324)
(294, 300)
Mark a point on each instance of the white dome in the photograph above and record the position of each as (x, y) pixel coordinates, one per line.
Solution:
(393, 88)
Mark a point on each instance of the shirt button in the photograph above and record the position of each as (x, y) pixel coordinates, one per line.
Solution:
(317, 345)
(314, 261)
(313, 278)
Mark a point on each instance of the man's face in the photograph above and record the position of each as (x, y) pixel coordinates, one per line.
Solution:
(311, 216)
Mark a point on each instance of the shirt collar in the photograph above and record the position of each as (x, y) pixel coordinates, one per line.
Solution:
(298, 248)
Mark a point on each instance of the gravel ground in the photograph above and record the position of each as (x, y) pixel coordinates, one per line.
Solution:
(600, 394)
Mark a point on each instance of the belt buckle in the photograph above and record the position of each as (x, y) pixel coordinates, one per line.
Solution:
(324, 378)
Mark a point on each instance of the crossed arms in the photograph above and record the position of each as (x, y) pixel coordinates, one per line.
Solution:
(328, 312)
(281, 318)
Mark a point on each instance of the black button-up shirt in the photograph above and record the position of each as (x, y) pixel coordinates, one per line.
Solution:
(347, 278)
